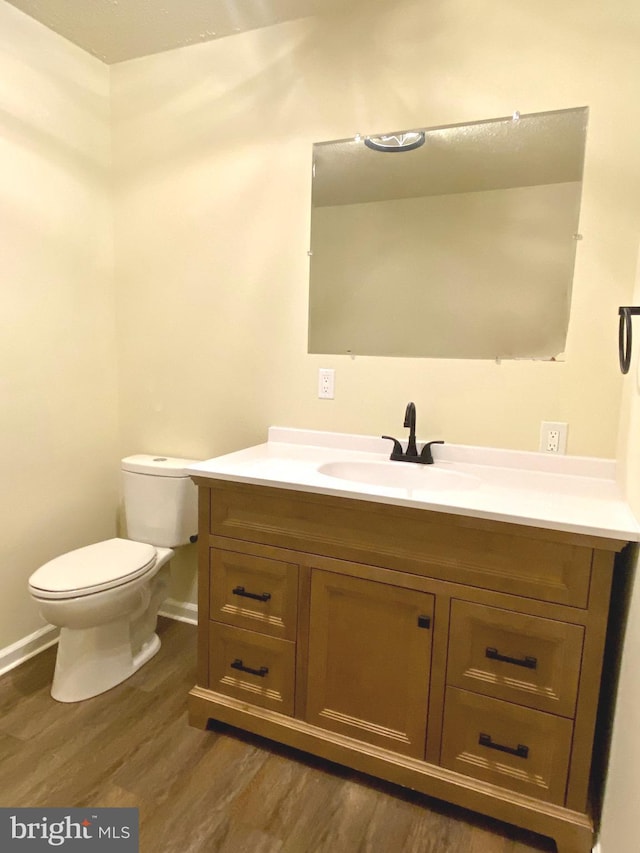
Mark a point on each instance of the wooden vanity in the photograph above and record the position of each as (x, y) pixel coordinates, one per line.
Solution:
(457, 656)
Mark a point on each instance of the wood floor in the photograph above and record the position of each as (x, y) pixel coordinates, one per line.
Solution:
(219, 791)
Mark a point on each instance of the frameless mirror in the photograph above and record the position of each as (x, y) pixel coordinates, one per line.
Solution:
(447, 242)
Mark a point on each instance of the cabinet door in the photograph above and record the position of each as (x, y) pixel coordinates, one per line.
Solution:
(369, 661)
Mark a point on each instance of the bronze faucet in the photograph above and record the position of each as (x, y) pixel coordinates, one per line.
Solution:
(411, 454)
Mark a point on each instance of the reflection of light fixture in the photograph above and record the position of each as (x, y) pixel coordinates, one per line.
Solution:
(396, 141)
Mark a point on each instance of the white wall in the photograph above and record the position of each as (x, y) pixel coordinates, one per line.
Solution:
(57, 336)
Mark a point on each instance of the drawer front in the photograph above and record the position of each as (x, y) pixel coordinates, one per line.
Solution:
(524, 659)
(505, 558)
(252, 667)
(254, 593)
(517, 748)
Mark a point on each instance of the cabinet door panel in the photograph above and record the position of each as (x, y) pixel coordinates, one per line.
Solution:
(369, 661)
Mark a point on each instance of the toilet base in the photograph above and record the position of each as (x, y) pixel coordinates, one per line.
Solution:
(91, 661)
(149, 649)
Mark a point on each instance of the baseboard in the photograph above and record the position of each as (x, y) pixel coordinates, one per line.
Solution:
(182, 611)
(28, 647)
(597, 848)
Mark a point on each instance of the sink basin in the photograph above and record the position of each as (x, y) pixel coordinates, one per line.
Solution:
(399, 475)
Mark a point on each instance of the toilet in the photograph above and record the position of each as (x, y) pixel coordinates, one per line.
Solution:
(105, 597)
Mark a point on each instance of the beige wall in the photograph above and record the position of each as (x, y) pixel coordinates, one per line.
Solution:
(212, 153)
(57, 340)
(619, 829)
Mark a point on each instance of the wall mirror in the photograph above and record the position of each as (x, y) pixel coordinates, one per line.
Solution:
(447, 242)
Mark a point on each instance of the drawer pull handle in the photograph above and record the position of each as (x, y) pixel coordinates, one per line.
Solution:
(520, 750)
(240, 590)
(527, 662)
(237, 664)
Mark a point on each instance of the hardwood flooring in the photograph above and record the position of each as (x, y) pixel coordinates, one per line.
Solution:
(220, 791)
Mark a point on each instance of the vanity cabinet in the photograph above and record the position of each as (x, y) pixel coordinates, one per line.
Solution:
(457, 656)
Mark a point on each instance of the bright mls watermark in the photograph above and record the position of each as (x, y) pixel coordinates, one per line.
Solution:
(74, 830)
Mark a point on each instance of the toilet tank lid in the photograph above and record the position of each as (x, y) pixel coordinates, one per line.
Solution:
(161, 466)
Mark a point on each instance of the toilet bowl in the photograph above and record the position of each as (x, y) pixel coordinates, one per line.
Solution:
(105, 597)
(106, 628)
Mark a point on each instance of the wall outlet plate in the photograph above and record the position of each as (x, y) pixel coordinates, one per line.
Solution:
(326, 383)
(553, 437)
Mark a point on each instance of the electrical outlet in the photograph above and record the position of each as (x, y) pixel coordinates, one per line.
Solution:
(326, 383)
(553, 437)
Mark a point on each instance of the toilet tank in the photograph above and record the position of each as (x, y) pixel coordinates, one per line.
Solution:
(160, 500)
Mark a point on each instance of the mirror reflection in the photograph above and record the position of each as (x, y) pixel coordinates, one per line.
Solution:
(447, 242)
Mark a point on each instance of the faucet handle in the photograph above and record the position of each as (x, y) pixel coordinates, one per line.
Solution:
(397, 447)
(426, 455)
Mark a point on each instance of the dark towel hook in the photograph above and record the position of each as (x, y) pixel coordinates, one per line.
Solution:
(624, 335)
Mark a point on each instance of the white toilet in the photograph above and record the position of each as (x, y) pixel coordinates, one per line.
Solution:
(105, 597)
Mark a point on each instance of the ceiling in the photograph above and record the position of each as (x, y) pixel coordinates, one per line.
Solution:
(117, 30)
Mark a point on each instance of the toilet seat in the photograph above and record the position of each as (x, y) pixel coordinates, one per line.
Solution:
(92, 569)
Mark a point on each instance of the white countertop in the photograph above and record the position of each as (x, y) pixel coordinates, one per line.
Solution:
(570, 493)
